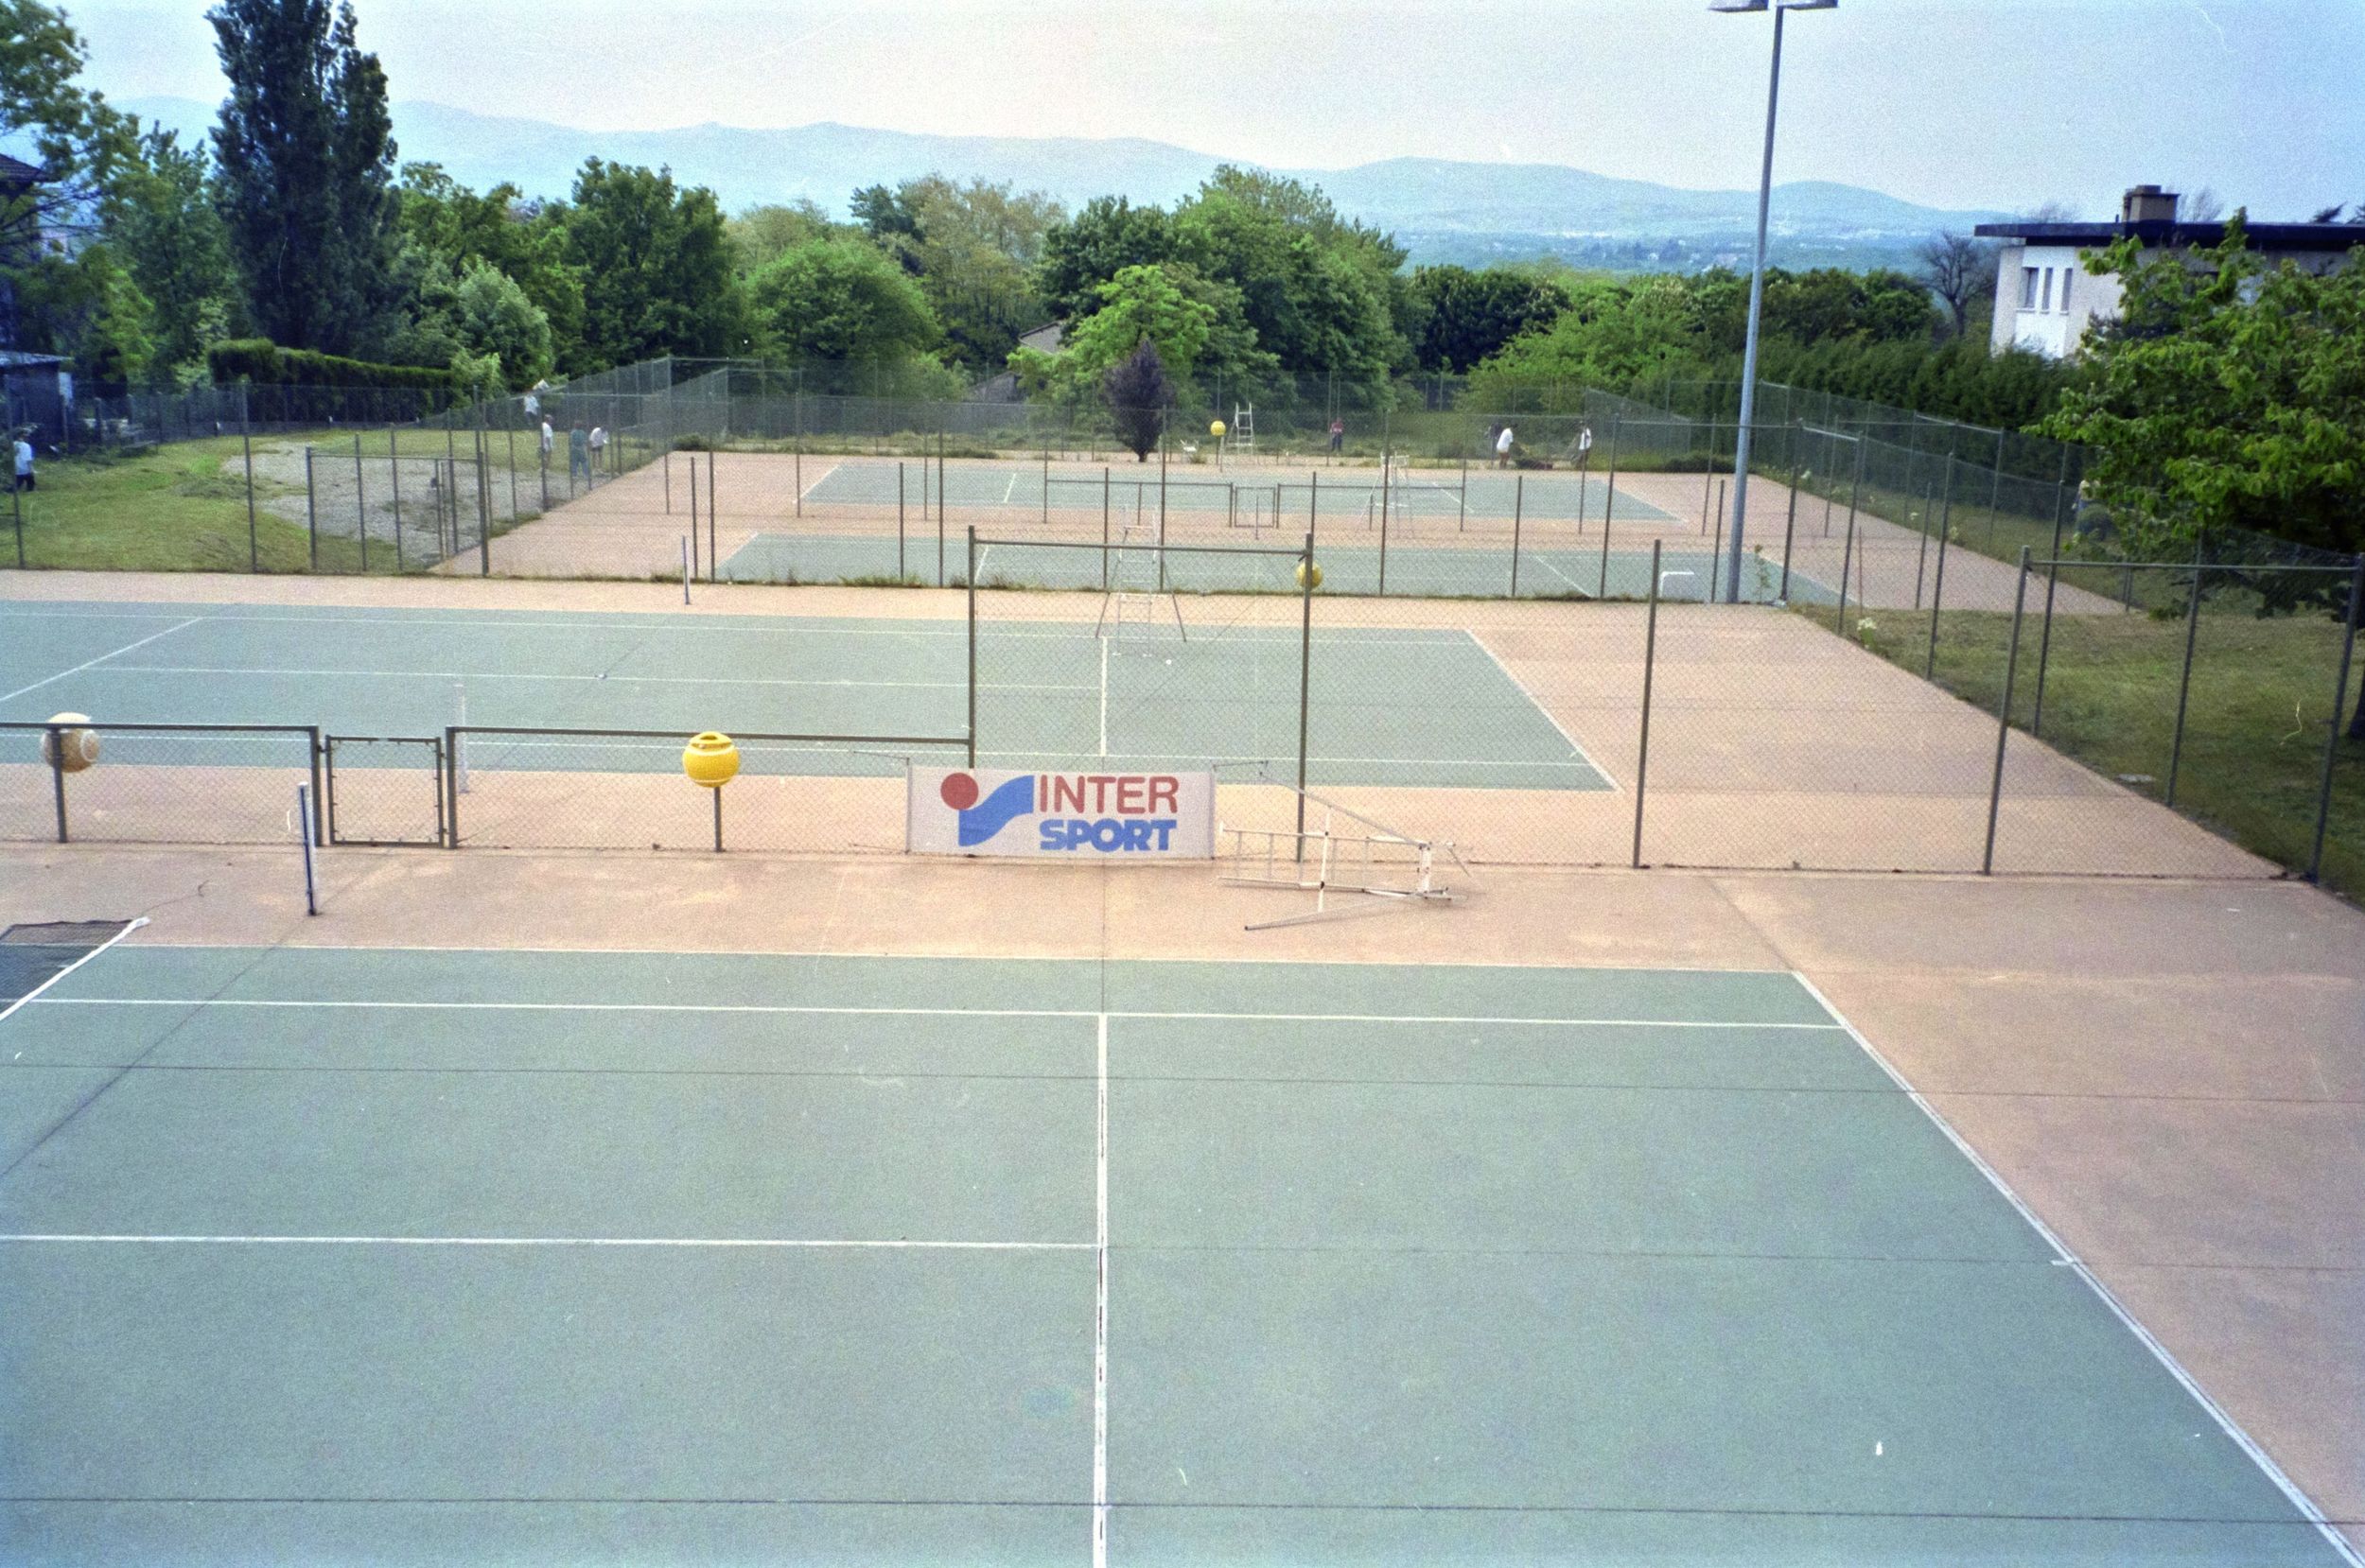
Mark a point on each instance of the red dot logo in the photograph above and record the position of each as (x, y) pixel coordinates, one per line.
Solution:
(960, 790)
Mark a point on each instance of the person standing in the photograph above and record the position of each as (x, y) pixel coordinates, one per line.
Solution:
(578, 454)
(1502, 449)
(547, 443)
(1338, 436)
(24, 480)
(599, 451)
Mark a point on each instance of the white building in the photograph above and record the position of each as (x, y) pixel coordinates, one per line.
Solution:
(2045, 299)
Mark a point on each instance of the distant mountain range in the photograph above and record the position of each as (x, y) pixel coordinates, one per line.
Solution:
(1440, 209)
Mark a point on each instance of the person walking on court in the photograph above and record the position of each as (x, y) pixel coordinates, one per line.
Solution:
(598, 449)
(1338, 436)
(546, 443)
(24, 480)
(578, 455)
(1502, 449)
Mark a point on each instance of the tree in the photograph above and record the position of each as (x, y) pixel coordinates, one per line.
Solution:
(973, 247)
(656, 267)
(65, 130)
(2229, 394)
(496, 319)
(159, 217)
(1139, 395)
(305, 151)
(2202, 206)
(1960, 271)
(1462, 316)
(1107, 237)
(525, 241)
(1615, 334)
(840, 299)
(761, 235)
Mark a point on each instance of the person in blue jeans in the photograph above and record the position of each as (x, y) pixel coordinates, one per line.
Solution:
(578, 455)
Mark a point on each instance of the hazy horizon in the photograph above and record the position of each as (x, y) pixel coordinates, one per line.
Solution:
(2003, 104)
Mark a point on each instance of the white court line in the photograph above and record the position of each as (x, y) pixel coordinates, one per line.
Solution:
(1011, 489)
(1100, 1309)
(511, 675)
(818, 481)
(769, 1243)
(791, 1009)
(945, 627)
(102, 947)
(2070, 1261)
(1521, 688)
(101, 659)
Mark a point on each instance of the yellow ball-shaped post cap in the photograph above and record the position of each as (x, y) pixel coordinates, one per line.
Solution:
(69, 750)
(1214, 428)
(710, 759)
(1309, 575)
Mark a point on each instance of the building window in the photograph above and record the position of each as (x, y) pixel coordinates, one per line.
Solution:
(2044, 300)
(2065, 277)
(2028, 289)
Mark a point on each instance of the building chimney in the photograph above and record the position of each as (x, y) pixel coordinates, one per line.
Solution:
(2147, 204)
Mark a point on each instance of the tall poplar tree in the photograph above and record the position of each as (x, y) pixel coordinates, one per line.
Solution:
(305, 154)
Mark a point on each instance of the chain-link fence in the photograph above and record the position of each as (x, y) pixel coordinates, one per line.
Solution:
(156, 783)
(1527, 731)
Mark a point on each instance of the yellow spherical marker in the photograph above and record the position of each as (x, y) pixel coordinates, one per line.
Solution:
(710, 759)
(1214, 428)
(1309, 575)
(69, 750)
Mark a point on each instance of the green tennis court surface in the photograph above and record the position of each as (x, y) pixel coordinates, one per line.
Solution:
(1050, 694)
(1413, 570)
(329, 1254)
(1294, 499)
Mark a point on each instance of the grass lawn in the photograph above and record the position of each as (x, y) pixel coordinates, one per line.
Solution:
(183, 507)
(2253, 750)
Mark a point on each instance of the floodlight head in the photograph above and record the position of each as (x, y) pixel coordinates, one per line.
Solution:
(1737, 4)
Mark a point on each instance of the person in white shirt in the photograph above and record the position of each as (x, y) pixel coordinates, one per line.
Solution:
(598, 449)
(547, 439)
(24, 464)
(1502, 449)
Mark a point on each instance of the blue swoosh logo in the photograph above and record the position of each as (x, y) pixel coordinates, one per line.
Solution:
(993, 813)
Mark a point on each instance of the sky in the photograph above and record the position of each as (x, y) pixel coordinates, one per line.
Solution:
(2003, 104)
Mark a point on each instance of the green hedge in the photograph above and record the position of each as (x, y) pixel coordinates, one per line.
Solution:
(265, 363)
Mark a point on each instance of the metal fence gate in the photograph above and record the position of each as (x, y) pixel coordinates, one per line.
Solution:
(385, 789)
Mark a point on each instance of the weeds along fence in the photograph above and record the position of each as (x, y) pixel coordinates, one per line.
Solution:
(1660, 731)
(94, 421)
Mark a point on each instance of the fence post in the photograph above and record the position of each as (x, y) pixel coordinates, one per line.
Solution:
(451, 785)
(714, 509)
(1518, 509)
(971, 577)
(246, 437)
(692, 460)
(1642, 744)
(898, 519)
(510, 445)
(1386, 461)
(361, 501)
(665, 464)
(1104, 527)
(1305, 678)
(56, 735)
(320, 791)
(2003, 717)
(2052, 581)
(1790, 523)
(1938, 587)
(393, 471)
(2332, 733)
(311, 512)
(1609, 503)
(1462, 523)
(797, 443)
(1846, 559)
(483, 504)
(2185, 676)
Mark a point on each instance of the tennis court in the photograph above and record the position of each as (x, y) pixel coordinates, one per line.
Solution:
(1424, 569)
(583, 1257)
(1048, 691)
(1283, 496)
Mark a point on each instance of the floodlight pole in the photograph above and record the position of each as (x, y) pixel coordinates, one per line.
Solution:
(1756, 309)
